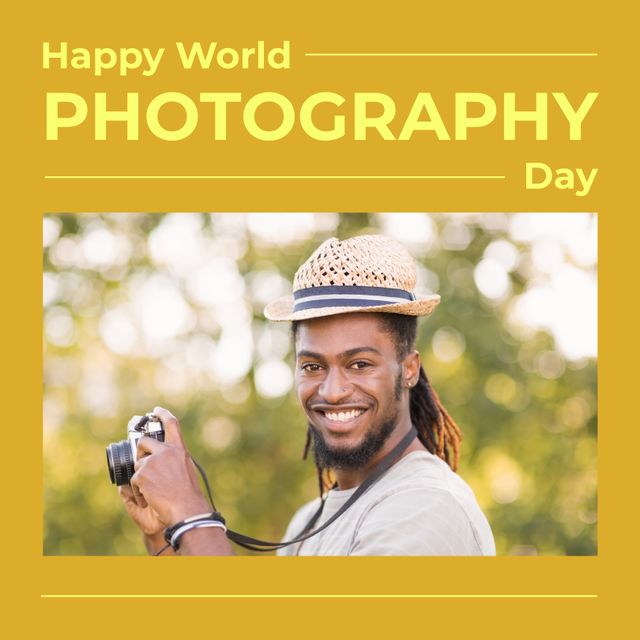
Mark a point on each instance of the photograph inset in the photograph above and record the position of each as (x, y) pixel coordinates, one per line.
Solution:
(145, 310)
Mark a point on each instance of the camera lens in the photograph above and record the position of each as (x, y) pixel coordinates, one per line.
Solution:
(120, 462)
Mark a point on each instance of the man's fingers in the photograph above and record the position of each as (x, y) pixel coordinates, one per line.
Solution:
(172, 433)
(140, 501)
(133, 496)
(141, 460)
(126, 493)
(137, 494)
(147, 446)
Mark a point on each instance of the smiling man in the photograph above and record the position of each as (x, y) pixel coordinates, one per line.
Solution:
(374, 422)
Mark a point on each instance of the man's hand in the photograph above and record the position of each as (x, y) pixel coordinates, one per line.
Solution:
(164, 490)
(145, 517)
(147, 520)
(165, 480)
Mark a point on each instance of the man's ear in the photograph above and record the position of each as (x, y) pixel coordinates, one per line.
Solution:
(411, 369)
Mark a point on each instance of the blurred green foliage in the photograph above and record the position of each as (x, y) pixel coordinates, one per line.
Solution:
(527, 412)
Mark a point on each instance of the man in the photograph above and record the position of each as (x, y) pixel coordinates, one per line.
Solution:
(364, 392)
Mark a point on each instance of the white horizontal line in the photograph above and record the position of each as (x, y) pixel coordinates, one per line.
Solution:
(447, 55)
(319, 595)
(272, 177)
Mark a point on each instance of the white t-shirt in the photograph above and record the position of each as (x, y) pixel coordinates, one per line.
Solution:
(419, 507)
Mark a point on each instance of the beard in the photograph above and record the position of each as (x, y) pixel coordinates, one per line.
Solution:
(352, 458)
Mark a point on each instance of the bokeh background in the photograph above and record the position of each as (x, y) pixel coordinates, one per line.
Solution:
(146, 309)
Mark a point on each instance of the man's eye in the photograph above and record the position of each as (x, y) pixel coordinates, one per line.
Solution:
(311, 367)
(360, 364)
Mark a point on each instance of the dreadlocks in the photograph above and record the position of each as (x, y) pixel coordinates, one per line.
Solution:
(437, 430)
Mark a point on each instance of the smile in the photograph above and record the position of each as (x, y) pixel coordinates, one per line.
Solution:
(343, 416)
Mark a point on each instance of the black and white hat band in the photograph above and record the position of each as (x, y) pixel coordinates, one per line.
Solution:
(348, 296)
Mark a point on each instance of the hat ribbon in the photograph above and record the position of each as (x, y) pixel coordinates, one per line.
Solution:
(348, 296)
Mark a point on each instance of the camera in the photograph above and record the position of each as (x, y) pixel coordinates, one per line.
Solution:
(121, 456)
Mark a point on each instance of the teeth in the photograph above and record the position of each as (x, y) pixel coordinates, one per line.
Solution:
(343, 416)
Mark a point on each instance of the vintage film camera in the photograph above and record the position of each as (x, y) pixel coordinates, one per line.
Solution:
(121, 456)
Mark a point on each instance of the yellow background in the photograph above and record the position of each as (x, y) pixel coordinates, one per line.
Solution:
(608, 143)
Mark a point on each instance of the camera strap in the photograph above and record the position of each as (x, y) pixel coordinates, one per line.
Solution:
(384, 465)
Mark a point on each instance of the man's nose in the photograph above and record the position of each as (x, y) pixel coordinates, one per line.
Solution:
(335, 387)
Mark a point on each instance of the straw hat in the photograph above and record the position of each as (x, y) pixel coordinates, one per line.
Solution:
(361, 274)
